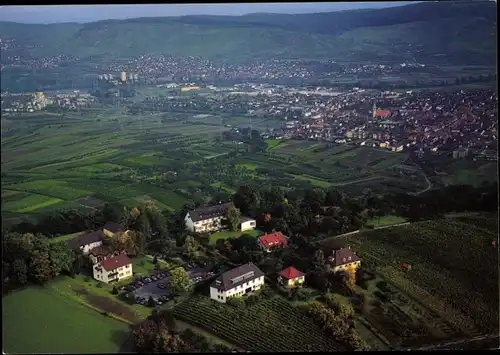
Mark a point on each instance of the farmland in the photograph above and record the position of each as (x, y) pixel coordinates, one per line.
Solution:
(25, 311)
(432, 292)
(271, 325)
(84, 160)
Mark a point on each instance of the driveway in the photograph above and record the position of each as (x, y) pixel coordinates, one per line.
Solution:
(152, 288)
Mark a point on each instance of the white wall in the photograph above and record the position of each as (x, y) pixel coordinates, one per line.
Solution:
(255, 284)
(248, 225)
(88, 247)
(189, 222)
(123, 273)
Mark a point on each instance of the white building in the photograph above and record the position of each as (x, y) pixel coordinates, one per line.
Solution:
(207, 219)
(237, 282)
(247, 224)
(87, 242)
(113, 269)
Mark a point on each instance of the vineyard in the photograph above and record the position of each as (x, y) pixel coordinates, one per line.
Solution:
(272, 325)
(450, 258)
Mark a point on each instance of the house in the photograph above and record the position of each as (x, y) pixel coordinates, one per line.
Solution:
(268, 242)
(87, 242)
(291, 277)
(237, 282)
(110, 229)
(247, 223)
(343, 259)
(207, 219)
(113, 269)
(103, 252)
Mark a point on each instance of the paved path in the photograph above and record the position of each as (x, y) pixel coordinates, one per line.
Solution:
(458, 342)
(357, 231)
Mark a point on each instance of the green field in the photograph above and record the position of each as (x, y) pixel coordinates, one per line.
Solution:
(233, 234)
(39, 321)
(386, 221)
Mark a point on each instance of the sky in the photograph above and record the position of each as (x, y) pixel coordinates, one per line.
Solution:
(89, 13)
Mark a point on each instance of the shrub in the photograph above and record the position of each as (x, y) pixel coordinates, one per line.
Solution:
(114, 291)
(236, 302)
(251, 300)
(151, 302)
(382, 296)
(141, 263)
(383, 286)
(86, 279)
(98, 285)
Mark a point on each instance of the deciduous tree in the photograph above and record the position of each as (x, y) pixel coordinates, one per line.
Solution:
(179, 280)
(233, 218)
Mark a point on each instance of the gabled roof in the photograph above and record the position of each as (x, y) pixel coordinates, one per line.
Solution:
(114, 227)
(86, 239)
(237, 276)
(204, 213)
(103, 250)
(115, 262)
(273, 239)
(290, 273)
(342, 256)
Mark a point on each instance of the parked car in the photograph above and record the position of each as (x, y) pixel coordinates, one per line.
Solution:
(139, 284)
(154, 278)
(147, 280)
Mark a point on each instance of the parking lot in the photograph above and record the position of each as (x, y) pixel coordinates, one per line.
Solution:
(143, 288)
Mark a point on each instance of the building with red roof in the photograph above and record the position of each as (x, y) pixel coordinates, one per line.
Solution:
(291, 277)
(383, 113)
(271, 241)
(113, 269)
(343, 259)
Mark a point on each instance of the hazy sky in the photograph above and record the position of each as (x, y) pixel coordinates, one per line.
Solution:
(88, 13)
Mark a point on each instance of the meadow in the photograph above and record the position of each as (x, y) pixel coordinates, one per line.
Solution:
(38, 320)
(432, 291)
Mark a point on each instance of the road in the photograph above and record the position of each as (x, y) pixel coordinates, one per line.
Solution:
(357, 231)
(459, 342)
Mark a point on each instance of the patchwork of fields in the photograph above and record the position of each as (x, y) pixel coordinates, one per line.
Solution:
(85, 160)
(452, 287)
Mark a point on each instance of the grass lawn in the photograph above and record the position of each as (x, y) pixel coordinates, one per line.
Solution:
(66, 237)
(247, 166)
(386, 220)
(232, 234)
(69, 287)
(36, 320)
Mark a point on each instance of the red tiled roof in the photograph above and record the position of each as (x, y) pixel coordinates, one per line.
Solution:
(116, 262)
(290, 273)
(342, 256)
(273, 239)
(383, 113)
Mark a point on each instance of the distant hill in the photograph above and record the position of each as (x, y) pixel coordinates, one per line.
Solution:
(432, 32)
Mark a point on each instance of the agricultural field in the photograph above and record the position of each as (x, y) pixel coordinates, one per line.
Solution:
(449, 258)
(273, 325)
(25, 311)
(84, 160)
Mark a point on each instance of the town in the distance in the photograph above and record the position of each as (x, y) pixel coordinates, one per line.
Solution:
(260, 183)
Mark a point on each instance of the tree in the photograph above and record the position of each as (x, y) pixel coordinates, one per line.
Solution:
(40, 268)
(155, 260)
(350, 279)
(234, 218)
(19, 272)
(114, 291)
(319, 259)
(190, 247)
(151, 302)
(180, 282)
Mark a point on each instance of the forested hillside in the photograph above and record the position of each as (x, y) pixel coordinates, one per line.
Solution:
(432, 32)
